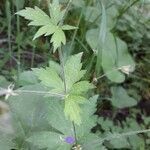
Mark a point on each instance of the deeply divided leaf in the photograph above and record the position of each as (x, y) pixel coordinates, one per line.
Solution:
(72, 108)
(58, 38)
(55, 12)
(49, 78)
(49, 24)
(73, 72)
(36, 16)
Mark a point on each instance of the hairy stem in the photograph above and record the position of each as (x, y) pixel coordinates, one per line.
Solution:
(63, 69)
(62, 62)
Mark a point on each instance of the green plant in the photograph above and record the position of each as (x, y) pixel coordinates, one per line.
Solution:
(53, 110)
(61, 82)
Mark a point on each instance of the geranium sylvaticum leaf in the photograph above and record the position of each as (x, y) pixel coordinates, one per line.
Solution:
(49, 25)
(51, 77)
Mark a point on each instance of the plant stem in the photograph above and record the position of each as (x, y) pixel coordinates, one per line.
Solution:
(66, 10)
(62, 63)
(75, 135)
(18, 43)
(65, 87)
(8, 14)
(63, 69)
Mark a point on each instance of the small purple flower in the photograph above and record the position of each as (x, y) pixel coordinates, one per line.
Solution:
(70, 140)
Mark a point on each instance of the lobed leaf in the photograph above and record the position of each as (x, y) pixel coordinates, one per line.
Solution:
(55, 12)
(50, 25)
(35, 15)
(49, 78)
(73, 72)
(72, 109)
(81, 87)
(46, 29)
(58, 38)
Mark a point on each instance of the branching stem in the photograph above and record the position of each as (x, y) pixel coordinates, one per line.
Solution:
(62, 62)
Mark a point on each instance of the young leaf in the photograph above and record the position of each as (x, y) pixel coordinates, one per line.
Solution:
(36, 16)
(50, 25)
